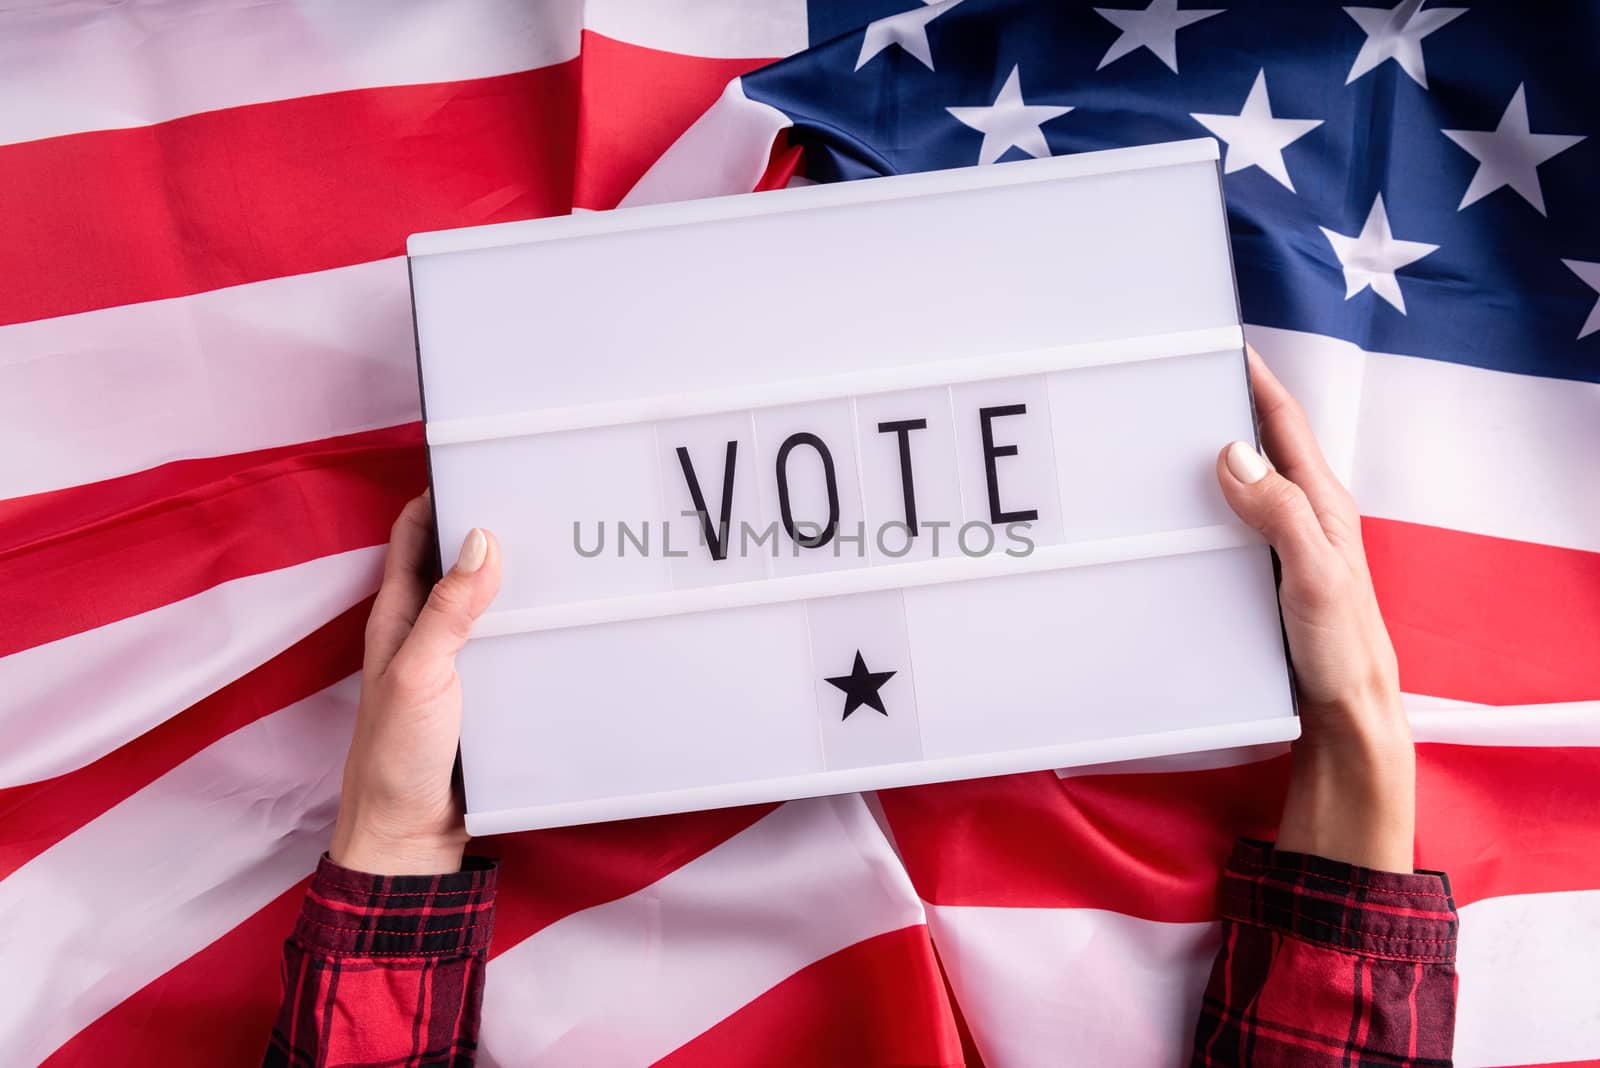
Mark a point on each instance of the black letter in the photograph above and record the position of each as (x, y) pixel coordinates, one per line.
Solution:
(826, 534)
(714, 538)
(902, 429)
(990, 451)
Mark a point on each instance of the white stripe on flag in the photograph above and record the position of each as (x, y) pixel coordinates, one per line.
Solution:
(1095, 987)
(71, 701)
(1556, 725)
(725, 151)
(1469, 449)
(712, 28)
(70, 69)
(1113, 989)
(1433, 719)
(249, 367)
(1530, 980)
(166, 872)
(626, 982)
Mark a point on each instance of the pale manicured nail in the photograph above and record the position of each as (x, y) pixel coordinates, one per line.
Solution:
(1245, 463)
(473, 551)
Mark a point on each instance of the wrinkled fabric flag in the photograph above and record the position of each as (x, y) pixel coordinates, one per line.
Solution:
(208, 417)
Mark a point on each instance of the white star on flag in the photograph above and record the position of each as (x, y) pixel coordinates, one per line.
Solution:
(1590, 273)
(1397, 34)
(1009, 122)
(1156, 28)
(909, 30)
(1255, 137)
(1510, 154)
(1371, 258)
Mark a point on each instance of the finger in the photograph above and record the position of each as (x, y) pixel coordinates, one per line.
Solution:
(1275, 506)
(404, 589)
(1286, 433)
(445, 622)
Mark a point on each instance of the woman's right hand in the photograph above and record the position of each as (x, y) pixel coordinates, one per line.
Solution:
(1352, 787)
(400, 812)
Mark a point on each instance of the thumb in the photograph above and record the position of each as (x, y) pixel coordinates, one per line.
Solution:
(1272, 504)
(454, 605)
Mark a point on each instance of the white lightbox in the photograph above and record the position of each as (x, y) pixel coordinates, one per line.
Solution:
(850, 486)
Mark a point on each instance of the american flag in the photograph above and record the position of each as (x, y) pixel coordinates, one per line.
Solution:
(208, 418)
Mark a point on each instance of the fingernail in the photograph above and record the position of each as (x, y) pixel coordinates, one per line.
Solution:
(1245, 463)
(473, 551)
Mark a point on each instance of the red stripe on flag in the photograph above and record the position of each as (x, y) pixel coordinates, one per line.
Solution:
(1145, 845)
(293, 186)
(784, 163)
(37, 815)
(215, 1008)
(1485, 619)
(633, 103)
(79, 558)
(880, 1001)
(287, 187)
(1499, 820)
(1508, 821)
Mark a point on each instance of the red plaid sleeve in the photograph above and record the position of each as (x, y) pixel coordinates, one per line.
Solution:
(1329, 964)
(385, 970)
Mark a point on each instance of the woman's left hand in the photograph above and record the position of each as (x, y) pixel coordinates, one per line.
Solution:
(1352, 784)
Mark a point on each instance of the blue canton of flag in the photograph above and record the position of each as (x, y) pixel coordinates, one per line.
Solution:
(1414, 179)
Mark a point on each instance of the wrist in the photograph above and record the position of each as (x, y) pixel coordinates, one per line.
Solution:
(361, 847)
(1360, 706)
(1352, 789)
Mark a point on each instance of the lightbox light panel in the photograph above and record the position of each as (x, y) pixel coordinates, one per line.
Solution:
(1055, 342)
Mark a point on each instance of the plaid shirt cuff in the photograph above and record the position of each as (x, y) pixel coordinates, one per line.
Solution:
(353, 913)
(1394, 915)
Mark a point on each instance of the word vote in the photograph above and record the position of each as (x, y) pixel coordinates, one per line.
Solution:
(815, 533)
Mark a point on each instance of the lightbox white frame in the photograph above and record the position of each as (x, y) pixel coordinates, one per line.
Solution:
(881, 576)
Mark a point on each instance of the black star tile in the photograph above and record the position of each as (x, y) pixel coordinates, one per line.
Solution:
(861, 687)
